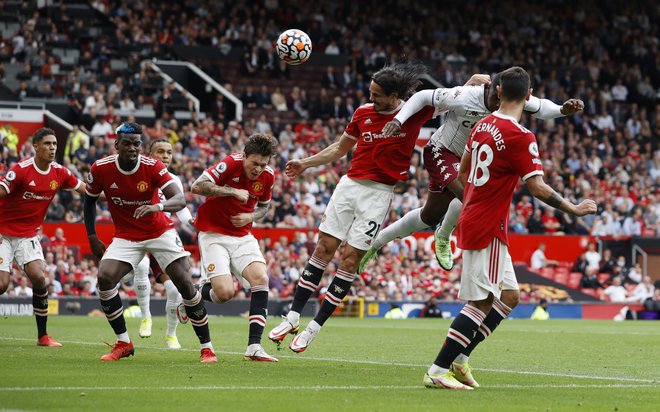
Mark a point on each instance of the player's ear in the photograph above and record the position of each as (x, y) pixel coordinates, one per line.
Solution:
(529, 94)
(499, 91)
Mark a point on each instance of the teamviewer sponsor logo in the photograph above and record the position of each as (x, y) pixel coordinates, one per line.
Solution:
(121, 202)
(30, 195)
(369, 137)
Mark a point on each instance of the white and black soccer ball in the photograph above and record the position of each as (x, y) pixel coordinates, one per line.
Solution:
(294, 46)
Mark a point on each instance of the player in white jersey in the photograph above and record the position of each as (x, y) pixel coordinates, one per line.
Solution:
(463, 106)
(160, 149)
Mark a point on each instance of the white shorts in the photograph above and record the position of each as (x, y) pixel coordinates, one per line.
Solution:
(227, 255)
(165, 249)
(356, 211)
(21, 250)
(485, 271)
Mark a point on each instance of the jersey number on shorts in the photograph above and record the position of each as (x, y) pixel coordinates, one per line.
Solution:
(482, 157)
(374, 228)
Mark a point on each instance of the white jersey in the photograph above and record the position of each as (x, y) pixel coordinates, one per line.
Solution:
(184, 214)
(463, 106)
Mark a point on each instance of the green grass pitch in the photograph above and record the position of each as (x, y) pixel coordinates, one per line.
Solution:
(353, 365)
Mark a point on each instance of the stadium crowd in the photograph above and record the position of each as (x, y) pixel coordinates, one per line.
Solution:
(606, 55)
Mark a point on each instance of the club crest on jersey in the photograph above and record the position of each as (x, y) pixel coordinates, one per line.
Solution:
(142, 186)
(53, 184)
(211, 268)
(257, 186)
(10, 176)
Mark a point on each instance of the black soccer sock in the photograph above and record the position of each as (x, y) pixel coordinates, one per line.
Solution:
(461, 332)
(308, 282)
(336, 292)
(113, 309)
(258, 313)
(40, 307)
(198, 318)
(495, 316)
(206, 291)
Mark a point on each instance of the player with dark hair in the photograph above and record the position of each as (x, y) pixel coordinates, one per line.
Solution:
(498, 153)
(131, 183)
(26, 191)
(463, 107)
(238, 192)
(361, 199)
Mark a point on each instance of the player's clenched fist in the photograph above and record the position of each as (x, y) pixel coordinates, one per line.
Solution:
(587, 207)
(294, 168)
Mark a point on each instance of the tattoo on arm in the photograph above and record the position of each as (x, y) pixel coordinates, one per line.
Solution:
(554, 200)
(260, 211)
(208, 188)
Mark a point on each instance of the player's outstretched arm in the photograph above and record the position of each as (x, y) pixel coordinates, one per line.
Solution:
(89, 215)
(478, 80)
(335, 151)
(203, 186)
(540, 190)
(546, 109)
(416, 103)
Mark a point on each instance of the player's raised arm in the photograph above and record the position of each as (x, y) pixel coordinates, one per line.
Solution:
(540, 190)
(546, 109)
(335, 151)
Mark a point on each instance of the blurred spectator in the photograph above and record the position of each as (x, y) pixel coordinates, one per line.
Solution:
(539, 260)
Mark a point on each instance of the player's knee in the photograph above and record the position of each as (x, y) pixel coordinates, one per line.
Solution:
(105, 282)
(260, 279)
(4, 285)
(223, 294)
(430, 216)
(511, 298)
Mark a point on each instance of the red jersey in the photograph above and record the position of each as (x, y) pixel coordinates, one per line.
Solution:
(29, 192)
(215, 213)
(383, 159)
(502, 152)
(128, 190)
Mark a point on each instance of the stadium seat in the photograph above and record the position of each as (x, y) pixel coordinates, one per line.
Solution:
(590, 292)
(548, 272)
(561, 277)
(574, 279)
(603, 277)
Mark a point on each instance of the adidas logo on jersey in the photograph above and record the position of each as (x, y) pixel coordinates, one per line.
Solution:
(32, 184)
(114, 186)
(368, 121)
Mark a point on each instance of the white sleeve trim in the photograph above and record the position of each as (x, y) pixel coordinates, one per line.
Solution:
(92, 194)
(547, 109)
(208, 176)
(533, 173)
(350, 137)
(416, 103)
(75, 188)
(166, 184)
(6, 187)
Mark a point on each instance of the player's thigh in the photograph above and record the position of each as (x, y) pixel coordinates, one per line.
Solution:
(245, 252)
(5, 278)
(6, 254)
(26, 251)
(483, 272)
(338, 216)
(370, 212)
(255, 274)
(214, 254)
(166, 249)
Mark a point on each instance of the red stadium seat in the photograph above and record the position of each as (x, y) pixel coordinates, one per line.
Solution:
(574, 279)
(603, 277)
(561, 277)
(590, 292)
(548, 273)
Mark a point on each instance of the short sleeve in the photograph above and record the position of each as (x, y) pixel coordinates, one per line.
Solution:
(12, 180)
(69, 181)
(449, 99)
(526, 161)
(92, 184)
(161, 177)
(220, 172)
(353, 129)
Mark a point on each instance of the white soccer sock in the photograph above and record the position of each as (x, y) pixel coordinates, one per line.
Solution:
(207, 345)
(314, 326)
(436, 370)
(293, 318)
(123, 337)
(173, 300)
(143, 291)
(411, 222)
(462, 358)
(450, 219)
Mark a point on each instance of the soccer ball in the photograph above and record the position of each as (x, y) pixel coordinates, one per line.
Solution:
(294, 46)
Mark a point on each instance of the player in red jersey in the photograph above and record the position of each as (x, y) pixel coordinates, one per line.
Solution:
(238, 191)
(361, 200)
(25, 193)
(131, 182)
(499, 151)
